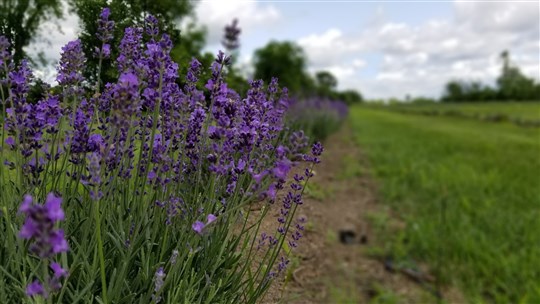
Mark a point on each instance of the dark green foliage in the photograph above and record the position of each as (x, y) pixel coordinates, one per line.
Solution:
(327, 88)
(326, 82)
(348, 96)
(287, 62)
(512, 85)
(20, 20)
(423, 100)
(38, 91)
(133, 13)
(460, 91)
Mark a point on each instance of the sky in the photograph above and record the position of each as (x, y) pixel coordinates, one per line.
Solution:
(383, 49)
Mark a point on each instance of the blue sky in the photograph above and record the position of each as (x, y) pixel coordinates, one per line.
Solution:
(390, 48)
(383, 49)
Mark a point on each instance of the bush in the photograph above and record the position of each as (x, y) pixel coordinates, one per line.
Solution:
(140, 192)
(317, 117)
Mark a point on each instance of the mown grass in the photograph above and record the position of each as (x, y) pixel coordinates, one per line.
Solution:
(513, 110)
(469, 193)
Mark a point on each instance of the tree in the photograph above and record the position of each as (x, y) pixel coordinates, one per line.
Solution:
(326, 83)
(513, 85)
(20, 20)
(349, 96)
(287, 62)
(125, 13)
(454, 92)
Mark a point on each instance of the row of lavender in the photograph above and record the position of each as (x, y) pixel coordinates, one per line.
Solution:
(139, 190)
(317, 117)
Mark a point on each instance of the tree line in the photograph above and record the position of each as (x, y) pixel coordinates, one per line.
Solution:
(511, 85)
(20, 21)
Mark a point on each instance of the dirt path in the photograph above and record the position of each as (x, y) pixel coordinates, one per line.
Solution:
(342, 197)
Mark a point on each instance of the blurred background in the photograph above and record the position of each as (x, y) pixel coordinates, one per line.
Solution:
(429, 110)
(389, 50)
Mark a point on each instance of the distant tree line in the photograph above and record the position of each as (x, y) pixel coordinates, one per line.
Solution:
(20, 21)
(288, 62)
(511, 85)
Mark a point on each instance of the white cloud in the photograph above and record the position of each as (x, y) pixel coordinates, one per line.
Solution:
(51, 37)
(251, 15)
(498, 16)
(420, 59)
(328, 48)
(359, 63)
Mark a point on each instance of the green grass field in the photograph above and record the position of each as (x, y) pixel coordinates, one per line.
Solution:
(469, 192)
(513, 110)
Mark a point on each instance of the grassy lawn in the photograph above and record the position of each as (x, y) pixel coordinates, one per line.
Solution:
(469, 193)
(513, 110)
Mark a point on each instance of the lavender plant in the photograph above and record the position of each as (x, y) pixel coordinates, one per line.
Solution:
(317, 117)
(147, 184)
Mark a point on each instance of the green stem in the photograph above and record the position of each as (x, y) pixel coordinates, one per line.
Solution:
(100, 252)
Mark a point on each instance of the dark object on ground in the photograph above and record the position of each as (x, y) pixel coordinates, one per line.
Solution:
(347, 237)
(364, 239)
(389, 265)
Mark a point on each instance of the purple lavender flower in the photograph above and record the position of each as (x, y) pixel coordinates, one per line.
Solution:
(5, 54)
(230, 40)
(106, 50)
(283, 264)
(94, 170)
(39, 226)
(125, 99)
(105, 26)
(317, 149)
(71, 64)
(48, 112)
(54, 208)
(174, 256)
(10, 141)
(159, 280)
(58, 271)
(35, 288)
(282, 169)
(210, 218)
(96, 143)
(152, 26)
(198, 227)
(129, 59)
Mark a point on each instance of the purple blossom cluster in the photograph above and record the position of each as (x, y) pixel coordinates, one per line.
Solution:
(336, 107)
(317, 117)
(150, 141)
(231, 34)
(39, 226)
(105, 33)
(290, 228)
(46, 240)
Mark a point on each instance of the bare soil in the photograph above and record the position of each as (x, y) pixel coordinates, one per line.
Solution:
(323, 269)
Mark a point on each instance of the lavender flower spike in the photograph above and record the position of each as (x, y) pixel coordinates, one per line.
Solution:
(159, 280)
(198, 227)
(39, 226)
(35, 288)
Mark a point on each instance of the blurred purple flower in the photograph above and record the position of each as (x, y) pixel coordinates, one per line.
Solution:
(39, 226)
(35, 288)
(105, 27)
(210, 218)
(58, 271)
(198, 227)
